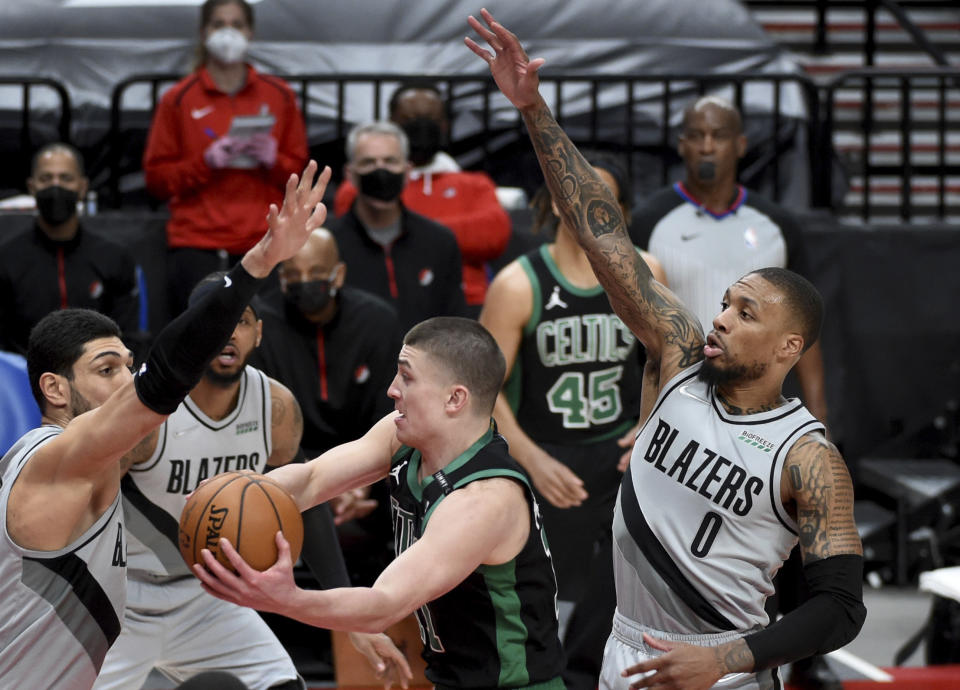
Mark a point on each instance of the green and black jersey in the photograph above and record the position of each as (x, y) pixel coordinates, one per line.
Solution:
(497, 628)
(578, 372)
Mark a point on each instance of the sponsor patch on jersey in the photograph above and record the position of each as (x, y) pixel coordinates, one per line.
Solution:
(755, 440)
(425, 276)
(247, 427)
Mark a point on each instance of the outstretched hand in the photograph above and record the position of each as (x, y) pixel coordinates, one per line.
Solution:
(289, 226)
(272, 590)
(514, 72)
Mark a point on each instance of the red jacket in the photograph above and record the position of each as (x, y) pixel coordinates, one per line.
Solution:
(219, 209)
(465, 202)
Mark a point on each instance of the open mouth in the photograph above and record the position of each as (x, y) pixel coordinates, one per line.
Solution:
(228, 356)
(713, 347)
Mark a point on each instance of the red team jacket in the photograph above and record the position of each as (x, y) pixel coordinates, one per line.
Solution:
(219, 209)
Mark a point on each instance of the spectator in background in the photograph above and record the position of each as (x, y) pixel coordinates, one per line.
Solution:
(566, 414)
(334, 346)
(708, 230)
(465, 202)
(405, 258)
(59, 264)
(223, 142)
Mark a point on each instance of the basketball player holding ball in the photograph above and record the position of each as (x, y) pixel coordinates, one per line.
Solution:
(63, 556)
(235, 418)
(472, 560)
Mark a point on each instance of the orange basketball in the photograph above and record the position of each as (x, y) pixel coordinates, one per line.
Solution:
(245, 508)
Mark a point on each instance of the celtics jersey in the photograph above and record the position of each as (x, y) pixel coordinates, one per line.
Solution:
(699, 528)
(578, 371)
(497, 628)
(190, 448)
(59, 610)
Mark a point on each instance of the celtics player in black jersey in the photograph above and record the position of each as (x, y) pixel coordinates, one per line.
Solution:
(726, 474)
(571, 399)
(472, 560)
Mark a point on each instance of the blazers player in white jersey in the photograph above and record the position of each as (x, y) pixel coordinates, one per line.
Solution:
(235, 418)
(726, 473)
(62, 549)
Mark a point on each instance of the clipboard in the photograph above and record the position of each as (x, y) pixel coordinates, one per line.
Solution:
(244, 127)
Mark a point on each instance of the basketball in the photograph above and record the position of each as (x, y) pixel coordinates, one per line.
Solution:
(245, 508)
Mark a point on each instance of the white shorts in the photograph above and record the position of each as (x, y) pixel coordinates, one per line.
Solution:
(177, 628)
(625, 647)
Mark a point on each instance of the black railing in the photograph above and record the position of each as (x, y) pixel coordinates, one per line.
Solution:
(31, 125)
(635, 115)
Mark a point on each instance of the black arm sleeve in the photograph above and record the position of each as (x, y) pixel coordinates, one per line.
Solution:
(829, 619)
(185, 347)
(321, 548)
(321, 545)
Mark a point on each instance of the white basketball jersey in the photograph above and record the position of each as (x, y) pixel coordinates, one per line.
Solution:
(59, 610)
(190, 448)
(699, 526)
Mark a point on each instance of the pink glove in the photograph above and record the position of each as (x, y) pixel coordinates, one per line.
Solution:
(263, 148)
(220, 152)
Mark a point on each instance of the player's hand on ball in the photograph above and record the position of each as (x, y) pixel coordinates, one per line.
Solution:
(272, 590)
(389, 664)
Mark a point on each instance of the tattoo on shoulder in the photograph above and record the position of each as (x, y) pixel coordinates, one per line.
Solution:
(824, 495)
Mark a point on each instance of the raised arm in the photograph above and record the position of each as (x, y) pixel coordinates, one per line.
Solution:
(670, 332)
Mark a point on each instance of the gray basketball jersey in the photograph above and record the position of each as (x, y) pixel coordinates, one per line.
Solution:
(59, 610)
(704, 253)
(190, 448)
(699, 526)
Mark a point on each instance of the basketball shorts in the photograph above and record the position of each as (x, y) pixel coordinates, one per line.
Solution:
(625, 648)
(177, 628)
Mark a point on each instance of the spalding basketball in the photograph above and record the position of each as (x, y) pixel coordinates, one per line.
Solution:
(246, 509)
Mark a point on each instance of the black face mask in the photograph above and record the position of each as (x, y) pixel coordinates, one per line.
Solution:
(310, 297)
(426, 139)
(382, 184)
(707, 170)
(56, 205)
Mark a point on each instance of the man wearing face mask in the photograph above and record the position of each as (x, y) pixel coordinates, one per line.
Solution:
(401, 256)
(334, 346)
(465, 202)
(58, 263)
(707, 231)
(217, 177)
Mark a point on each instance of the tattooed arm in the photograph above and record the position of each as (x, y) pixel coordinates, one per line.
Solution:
(817, 485)
(286, 425)
(670, 332)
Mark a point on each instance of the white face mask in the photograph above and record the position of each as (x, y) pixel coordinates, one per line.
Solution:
(228, 45)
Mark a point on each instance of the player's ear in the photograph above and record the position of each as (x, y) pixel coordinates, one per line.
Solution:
(55, 389)
(792, 345)
(458, 399)
(259, 333)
